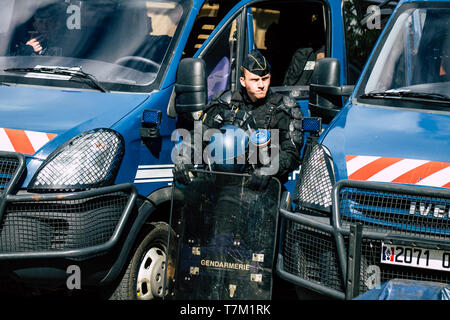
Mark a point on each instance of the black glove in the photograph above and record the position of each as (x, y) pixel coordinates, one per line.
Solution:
(258, 181)
(181, 173)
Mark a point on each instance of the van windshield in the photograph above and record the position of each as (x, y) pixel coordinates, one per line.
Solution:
(413, 63)
(121, 44)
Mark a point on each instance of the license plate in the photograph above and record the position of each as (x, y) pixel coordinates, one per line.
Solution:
(415, 257)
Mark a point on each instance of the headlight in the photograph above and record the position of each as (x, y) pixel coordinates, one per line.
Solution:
(316, 179)
(89, 160)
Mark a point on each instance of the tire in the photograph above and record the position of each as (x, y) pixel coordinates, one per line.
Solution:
(143, 279)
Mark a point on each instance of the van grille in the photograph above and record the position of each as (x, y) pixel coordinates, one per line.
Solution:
(311, 255)
(8, 167)
(60, 225)
(423, 216)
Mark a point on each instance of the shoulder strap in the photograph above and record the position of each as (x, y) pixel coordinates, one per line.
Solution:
(225, 97)
(287, 104)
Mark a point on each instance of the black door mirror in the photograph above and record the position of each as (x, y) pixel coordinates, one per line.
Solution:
(325, 92)
(191, 86)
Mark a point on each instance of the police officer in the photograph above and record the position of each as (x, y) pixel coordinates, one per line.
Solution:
(234, 218)
(256, 106)
(46, 37)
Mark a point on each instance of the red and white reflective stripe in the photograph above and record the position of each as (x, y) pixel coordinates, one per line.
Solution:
(409, 171)
(23, 141)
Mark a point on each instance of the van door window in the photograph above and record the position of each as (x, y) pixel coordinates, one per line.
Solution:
(413, 62)
(292, 35)
(220, 56)
(364, 22)
(208, 17)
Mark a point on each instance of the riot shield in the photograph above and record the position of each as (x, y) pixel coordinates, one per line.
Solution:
(225, 236)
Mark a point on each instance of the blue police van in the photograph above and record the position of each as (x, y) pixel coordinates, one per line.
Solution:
(87, 111)
(372, 199)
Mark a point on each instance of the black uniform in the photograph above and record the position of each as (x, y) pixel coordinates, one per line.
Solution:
(240, 207)
(276, 111)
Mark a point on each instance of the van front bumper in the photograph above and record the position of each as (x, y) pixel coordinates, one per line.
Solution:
(67, 225)
(53, 230)
(341, 255)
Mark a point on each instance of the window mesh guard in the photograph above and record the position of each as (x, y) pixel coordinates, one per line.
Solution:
(315, 183)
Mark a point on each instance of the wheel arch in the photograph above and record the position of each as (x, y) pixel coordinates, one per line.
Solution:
(153, 209)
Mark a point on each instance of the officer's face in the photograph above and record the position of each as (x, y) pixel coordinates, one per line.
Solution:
(255, 85)
(42, 25)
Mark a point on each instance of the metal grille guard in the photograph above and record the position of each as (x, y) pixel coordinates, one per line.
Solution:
(8, 198)
(348, 236)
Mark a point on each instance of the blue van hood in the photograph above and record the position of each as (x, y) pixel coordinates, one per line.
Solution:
(59, 112)
(384, 137)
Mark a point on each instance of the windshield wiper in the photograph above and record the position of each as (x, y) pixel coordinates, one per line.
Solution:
(397, 94)
(75, 72)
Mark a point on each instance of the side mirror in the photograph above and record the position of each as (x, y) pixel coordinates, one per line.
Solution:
(191, 86)
(325, 92)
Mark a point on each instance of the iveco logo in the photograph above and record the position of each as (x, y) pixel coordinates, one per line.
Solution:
(429, 209)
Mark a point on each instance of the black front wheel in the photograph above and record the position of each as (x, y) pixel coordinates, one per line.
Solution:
(144, 277)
